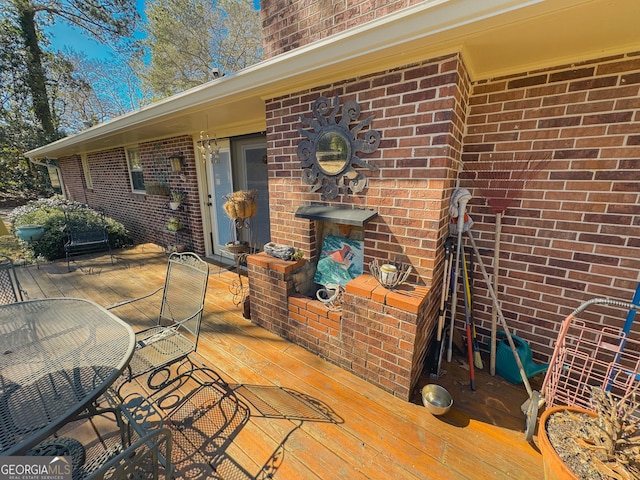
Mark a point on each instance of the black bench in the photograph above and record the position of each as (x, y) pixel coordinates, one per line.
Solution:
(87, 232)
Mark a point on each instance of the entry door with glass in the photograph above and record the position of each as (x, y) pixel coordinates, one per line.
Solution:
(251, 156)
(240, 166)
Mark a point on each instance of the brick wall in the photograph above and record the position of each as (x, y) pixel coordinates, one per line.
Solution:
(574, 232)
(74, 178)
(287, 25)
(420, 112)
(144, 216)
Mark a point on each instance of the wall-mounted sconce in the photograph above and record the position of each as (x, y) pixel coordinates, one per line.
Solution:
(177, 162)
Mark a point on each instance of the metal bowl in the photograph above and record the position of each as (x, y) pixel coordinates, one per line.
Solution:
(436, 398)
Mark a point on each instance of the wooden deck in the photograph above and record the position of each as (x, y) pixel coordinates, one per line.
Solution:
(303, 417)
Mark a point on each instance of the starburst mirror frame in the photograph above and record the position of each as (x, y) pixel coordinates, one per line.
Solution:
(328, 153)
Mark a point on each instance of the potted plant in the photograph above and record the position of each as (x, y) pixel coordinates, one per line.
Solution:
(580, 444)
(177, 197)
(174, 224)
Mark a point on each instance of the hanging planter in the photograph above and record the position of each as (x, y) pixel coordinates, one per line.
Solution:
(241, 204)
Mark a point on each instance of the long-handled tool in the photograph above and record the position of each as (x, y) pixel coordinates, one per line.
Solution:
(503, 322)
(531, 406)
(459, 201)
(477, 359)
(467, 325)
(436, 357)
(501, 182)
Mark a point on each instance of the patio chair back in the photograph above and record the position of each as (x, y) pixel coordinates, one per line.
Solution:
(178, 330)
(128, 442)
(149, 457)
(184, 292)
(10, 289)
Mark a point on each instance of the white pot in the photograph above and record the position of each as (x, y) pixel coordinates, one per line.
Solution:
(174, 205)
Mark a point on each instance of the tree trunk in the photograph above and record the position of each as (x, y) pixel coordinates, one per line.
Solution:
(36, 78)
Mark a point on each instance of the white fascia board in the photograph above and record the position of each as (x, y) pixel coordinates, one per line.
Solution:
(438, 25)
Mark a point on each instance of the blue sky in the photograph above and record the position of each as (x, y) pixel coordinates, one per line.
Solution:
(64, 35)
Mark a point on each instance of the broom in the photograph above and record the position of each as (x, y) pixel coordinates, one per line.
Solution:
(500, 183)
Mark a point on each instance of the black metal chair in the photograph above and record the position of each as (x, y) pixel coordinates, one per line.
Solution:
(135, 445)
(10, 289)
(178, 329)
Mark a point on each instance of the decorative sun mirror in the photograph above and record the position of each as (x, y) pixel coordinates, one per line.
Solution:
(328, 153)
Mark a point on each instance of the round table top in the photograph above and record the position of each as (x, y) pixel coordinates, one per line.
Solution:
(56, 356)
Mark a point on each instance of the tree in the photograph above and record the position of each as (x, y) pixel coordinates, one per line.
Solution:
(88, 92)
(187, 40)
(105, 20)
(36, 83)
(19, 129)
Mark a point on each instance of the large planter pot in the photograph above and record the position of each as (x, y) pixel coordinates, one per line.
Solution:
(554, 466)
(30, 233)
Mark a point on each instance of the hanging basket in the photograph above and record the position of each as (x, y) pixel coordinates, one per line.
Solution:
(241, 204)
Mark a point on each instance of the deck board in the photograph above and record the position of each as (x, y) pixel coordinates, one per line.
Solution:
(365, 432)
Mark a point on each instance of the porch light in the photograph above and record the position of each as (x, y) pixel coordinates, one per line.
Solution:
(177, 161)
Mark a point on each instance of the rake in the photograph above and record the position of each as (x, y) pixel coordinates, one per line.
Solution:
(500, 183)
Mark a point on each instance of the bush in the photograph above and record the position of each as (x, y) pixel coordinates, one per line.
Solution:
(49, 213)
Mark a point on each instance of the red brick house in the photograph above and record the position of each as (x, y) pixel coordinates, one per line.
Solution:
(448, 84)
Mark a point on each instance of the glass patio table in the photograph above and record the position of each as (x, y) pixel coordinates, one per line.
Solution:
(57, 356)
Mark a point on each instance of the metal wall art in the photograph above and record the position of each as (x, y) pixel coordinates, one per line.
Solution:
(328, 153)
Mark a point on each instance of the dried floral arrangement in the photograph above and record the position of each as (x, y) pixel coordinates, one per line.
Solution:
(241, 204)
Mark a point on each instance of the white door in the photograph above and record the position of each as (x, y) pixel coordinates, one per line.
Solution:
(220, 184)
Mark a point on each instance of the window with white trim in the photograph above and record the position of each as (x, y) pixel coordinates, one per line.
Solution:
(85, 169)
(135, 170)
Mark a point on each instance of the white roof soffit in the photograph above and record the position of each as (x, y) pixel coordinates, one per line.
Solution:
(496, 37)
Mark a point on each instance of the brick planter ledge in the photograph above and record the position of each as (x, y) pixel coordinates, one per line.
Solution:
(375, 336)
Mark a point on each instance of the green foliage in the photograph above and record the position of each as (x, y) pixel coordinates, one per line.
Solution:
(187, 39)
(35, 81)
(49, 213)
(11, 247)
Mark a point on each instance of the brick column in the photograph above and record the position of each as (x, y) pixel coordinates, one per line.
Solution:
(270, 284)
